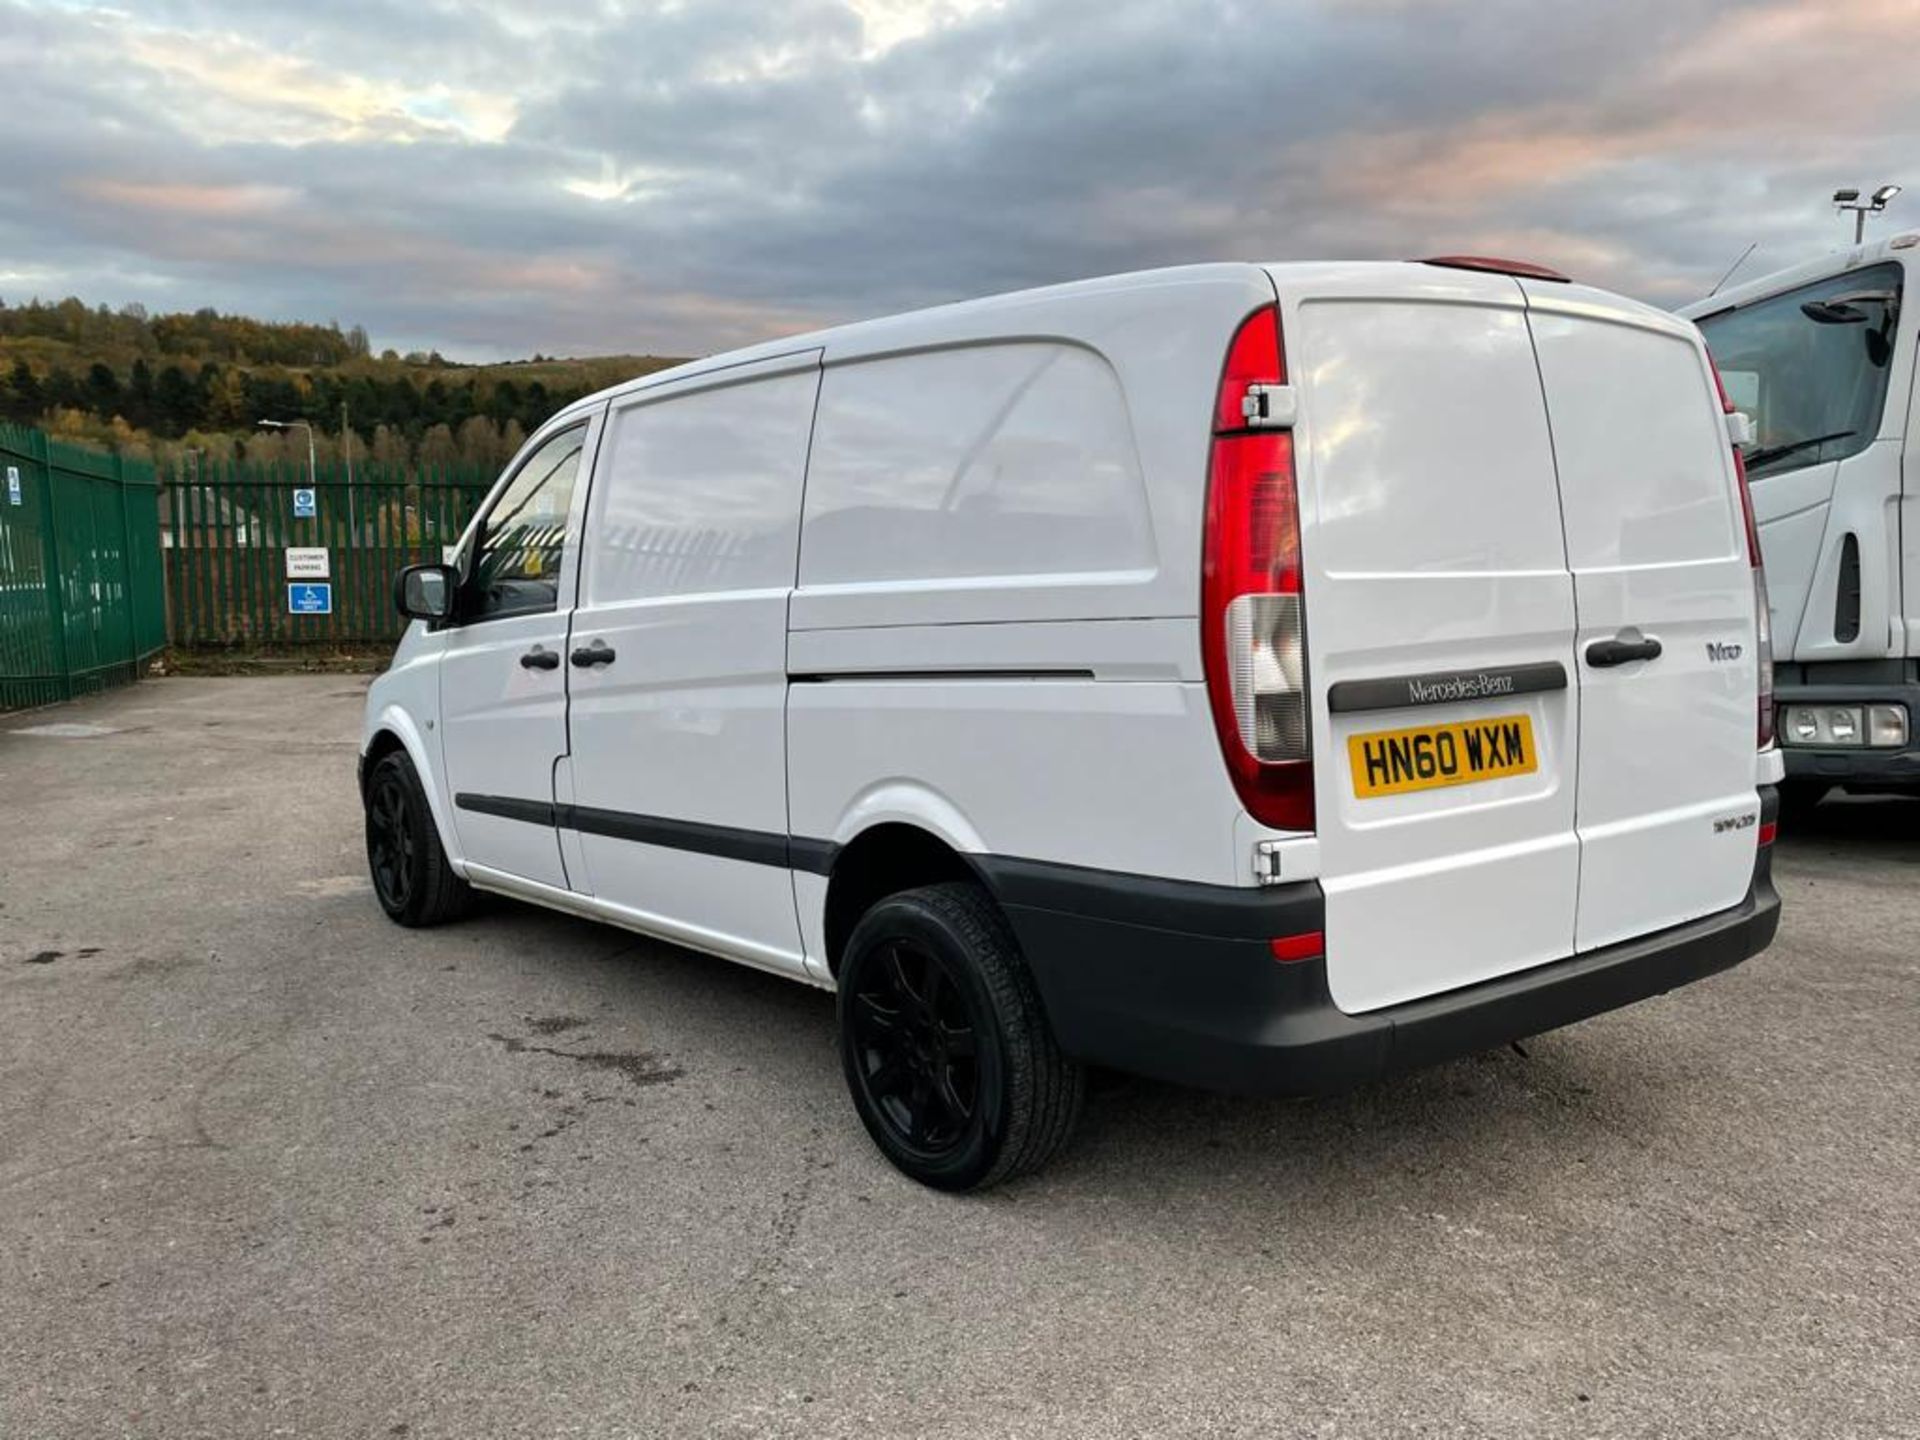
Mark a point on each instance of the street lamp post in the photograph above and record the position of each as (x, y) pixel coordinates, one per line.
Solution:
(313, 479)
(313, 471)
(1849, 199)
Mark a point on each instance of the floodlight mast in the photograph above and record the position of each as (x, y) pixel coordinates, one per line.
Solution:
(1849, 199)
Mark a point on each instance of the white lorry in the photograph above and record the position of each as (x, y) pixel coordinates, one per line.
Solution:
(1821, 358)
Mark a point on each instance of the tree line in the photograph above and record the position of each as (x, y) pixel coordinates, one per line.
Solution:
(172, 403)
(200, 334)
(202, 382)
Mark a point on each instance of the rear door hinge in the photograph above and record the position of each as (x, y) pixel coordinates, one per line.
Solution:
(1267, 407)
(1266, 862)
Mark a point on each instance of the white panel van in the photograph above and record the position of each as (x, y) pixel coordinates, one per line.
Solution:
(1258, 677)
(1821, 358)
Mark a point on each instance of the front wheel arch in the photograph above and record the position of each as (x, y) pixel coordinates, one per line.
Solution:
(396, 732)
(413, 877)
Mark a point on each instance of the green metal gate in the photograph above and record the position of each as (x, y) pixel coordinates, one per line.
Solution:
(81, 601)
(227, 531)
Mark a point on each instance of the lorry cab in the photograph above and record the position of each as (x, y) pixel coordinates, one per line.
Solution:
(1265, 677)
(1821, 358)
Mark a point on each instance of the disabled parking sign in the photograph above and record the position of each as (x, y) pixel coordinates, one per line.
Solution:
(304, 507)
(310, 598)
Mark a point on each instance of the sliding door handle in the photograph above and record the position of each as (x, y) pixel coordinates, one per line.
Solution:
(598, 653)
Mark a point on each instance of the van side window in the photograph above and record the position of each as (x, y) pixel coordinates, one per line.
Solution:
(697, 493)
(1810, 366)
(522, 540)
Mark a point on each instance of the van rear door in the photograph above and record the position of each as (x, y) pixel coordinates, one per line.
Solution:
(1668, 814)
(1439, 626)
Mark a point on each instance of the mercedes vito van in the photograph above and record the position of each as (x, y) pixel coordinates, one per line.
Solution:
(1821, 356)
(1259, 677)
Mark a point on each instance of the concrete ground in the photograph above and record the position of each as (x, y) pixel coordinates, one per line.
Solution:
(272, 1166)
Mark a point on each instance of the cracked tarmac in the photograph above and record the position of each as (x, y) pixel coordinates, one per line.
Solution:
(269, 1165)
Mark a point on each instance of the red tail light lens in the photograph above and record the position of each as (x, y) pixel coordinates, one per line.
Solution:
(1763, 620)
(1253, 359)
(1252, 621)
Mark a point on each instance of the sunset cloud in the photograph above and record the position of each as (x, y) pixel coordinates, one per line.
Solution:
(506, 176)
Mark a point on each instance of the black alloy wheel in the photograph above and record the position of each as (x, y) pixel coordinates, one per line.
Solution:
(917, 1050)
(392, 852)
(948, 1056)
(412, 878)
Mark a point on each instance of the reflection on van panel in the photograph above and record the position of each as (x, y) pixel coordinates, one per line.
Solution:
(974, 462)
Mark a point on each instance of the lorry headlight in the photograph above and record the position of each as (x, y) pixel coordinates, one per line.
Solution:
(1881, 726)
(1887, 725)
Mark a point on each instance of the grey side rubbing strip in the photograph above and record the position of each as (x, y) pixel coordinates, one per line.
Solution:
(816, 857)
(756, 847)
(534, 812)
(1445, 687)
(824, 677)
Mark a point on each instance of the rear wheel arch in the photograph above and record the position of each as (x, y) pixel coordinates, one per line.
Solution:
(884, 860)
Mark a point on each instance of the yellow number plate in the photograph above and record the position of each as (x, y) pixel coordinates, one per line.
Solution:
(1392, 762)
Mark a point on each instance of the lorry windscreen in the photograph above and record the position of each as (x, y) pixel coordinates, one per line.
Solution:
(1810, 366)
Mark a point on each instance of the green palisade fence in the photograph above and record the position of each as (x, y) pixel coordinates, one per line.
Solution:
(226, 529)
(81, 600)
(102, 564)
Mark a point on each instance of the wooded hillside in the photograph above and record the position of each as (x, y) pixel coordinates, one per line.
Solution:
(168, 384)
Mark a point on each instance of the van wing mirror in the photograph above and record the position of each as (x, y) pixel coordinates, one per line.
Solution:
(425, 592)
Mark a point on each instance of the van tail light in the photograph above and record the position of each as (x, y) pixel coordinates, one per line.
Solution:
(1252, 601)
(1762, 620)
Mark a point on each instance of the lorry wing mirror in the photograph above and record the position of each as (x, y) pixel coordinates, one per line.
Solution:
(425, 592)
(1833, 312)
(1845, 309)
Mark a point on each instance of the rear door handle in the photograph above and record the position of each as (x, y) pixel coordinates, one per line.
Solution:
(598, 653)
(540, 659)
(1603, 654)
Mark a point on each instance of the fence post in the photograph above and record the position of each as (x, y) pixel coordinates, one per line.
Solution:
(50, 550)
(126, 564)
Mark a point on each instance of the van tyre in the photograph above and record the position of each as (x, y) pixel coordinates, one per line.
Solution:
(948, 1055)
(415, 883)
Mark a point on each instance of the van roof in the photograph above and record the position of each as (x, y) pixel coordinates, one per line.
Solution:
(905, 323)
(916, 326)
(1836, 262)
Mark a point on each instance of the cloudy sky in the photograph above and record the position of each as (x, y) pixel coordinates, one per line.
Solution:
(499, 177)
